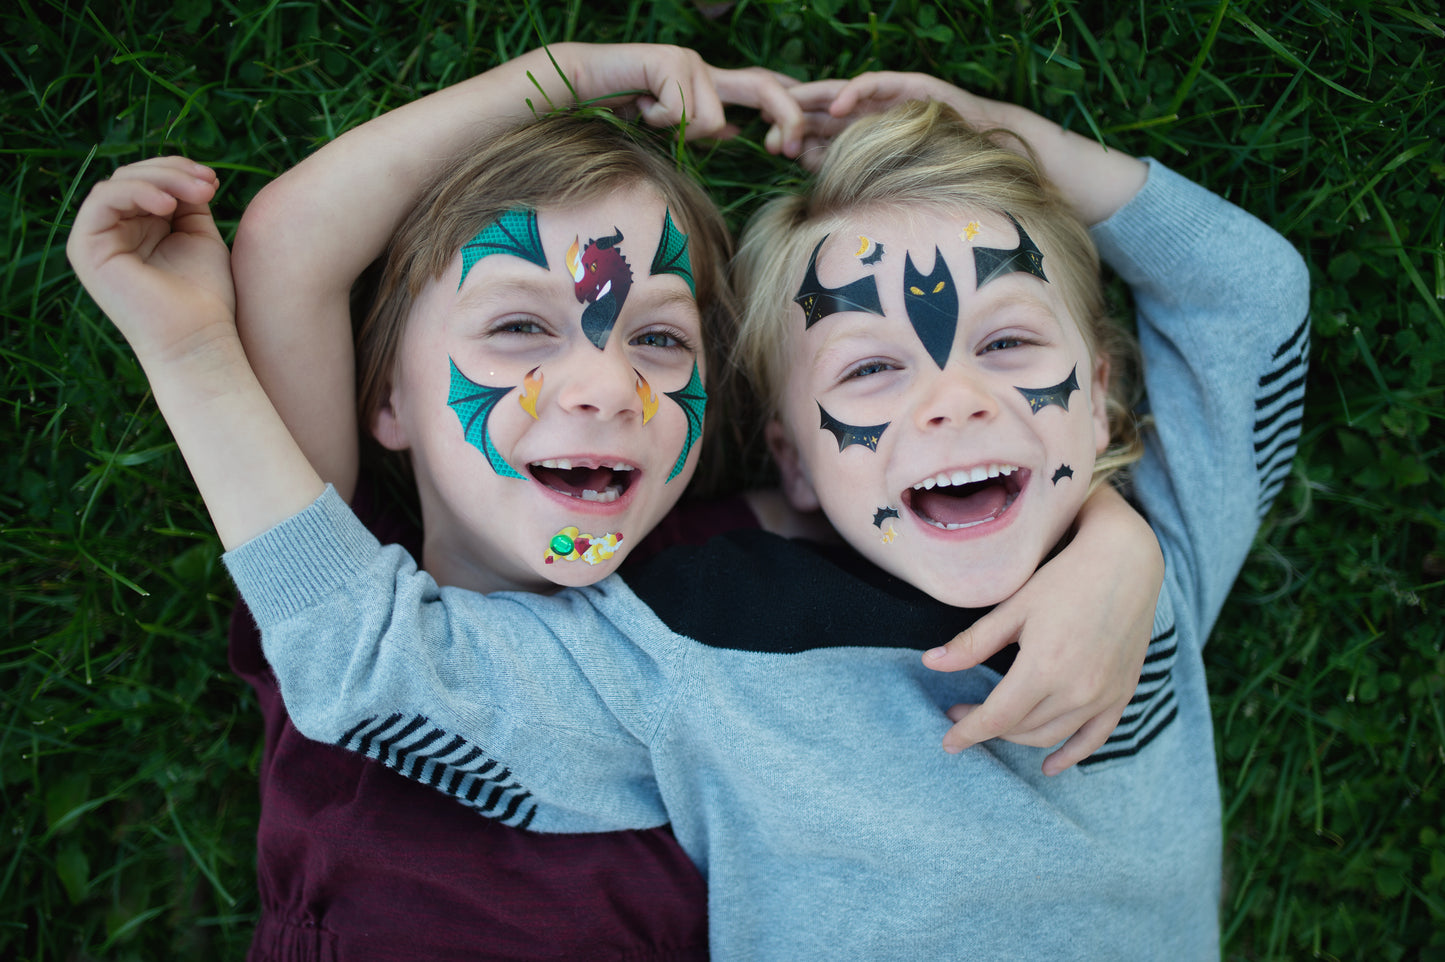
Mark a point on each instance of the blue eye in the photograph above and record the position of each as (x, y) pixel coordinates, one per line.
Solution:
(870, 367)
(518, 325)
(667, 340)
(1003, 344)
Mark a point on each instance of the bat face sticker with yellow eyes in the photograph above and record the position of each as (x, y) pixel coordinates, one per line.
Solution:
(818, 301)
(602, 278)
(850, 434)
(931, 303)
(992, 262)
(1040, 398)
(474, 404)
(514, 232)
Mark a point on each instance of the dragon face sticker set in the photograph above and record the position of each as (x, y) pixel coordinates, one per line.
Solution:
(571, 342)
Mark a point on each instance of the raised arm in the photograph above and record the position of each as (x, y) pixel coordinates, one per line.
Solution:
(146, 247)
(1095, 180)
(309, 234)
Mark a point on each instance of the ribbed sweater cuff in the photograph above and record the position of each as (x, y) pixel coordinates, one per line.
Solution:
(300, 560)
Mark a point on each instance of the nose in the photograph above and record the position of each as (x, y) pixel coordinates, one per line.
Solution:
(956, 396)
(600, 384)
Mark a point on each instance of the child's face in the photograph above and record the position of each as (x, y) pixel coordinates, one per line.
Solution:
(551, 412)
(955, 449)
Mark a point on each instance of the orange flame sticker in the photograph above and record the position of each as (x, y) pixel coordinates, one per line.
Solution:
(574, 259)
(531, 392)
(649, 399)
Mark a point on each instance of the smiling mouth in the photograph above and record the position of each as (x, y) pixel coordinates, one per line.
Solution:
(962, 499)
(601, 483)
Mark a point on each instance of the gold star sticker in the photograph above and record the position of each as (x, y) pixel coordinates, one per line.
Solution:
(969, 232)
(890, 534)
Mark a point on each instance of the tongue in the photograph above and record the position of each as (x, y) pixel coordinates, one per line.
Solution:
(574, 481)
(968, 504)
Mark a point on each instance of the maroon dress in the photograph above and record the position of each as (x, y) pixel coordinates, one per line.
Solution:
(355, 862)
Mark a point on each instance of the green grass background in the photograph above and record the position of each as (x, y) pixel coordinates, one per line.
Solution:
(127, 750)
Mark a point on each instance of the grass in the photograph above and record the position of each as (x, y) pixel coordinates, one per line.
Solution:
(128, 751)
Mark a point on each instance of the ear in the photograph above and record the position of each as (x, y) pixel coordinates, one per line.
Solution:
(386, 425)
(796, 486)
(1099, 399)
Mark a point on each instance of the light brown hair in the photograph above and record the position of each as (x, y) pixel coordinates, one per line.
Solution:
(923, 157)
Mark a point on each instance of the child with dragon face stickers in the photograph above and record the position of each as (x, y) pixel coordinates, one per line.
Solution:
(568, 349)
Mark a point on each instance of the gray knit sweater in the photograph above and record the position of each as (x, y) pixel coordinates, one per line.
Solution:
(768, 699)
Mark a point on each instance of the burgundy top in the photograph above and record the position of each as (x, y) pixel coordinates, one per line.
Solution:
(355, 862)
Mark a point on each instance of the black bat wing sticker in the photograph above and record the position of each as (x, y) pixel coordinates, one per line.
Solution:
(818, 301)
(992, 262)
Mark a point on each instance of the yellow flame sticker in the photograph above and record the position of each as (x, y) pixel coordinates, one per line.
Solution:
(574, 259)
(649, 399)
(531, 392)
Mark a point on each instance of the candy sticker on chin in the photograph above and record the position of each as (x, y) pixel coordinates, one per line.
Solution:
(570, 544)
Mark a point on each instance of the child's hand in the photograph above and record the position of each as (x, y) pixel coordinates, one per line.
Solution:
(1096, 181)
(146, 248)
(1082, 624)
(681, 85)
(830, 105)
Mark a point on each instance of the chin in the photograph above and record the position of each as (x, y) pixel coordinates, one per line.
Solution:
(982, 590)
(578, 574)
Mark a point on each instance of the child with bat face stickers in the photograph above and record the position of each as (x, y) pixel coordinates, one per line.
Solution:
(765, 696)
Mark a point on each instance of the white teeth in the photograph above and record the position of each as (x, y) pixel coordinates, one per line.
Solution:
(565, 464)
(604, 497)
(965, 476)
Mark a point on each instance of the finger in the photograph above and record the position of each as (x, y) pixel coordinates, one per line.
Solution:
(760, 89)
(181, 179)
(986, 636)
(999, 713)
(1087, 740)
(1045, 726)
(816, 95)
(860, 90)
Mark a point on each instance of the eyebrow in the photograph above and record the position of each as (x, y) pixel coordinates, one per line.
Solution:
(549, 286)
(993, 302)
(664, 298)
(507, 287)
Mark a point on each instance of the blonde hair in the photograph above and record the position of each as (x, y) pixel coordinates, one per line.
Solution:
(922, 157)
(556, 161)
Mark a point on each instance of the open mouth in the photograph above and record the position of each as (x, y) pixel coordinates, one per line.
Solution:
(954, 500)
(602, 483)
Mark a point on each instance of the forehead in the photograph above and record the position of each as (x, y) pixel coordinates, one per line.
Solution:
(637, 211)
(541, 249)
(881, 242)
(927, 252)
